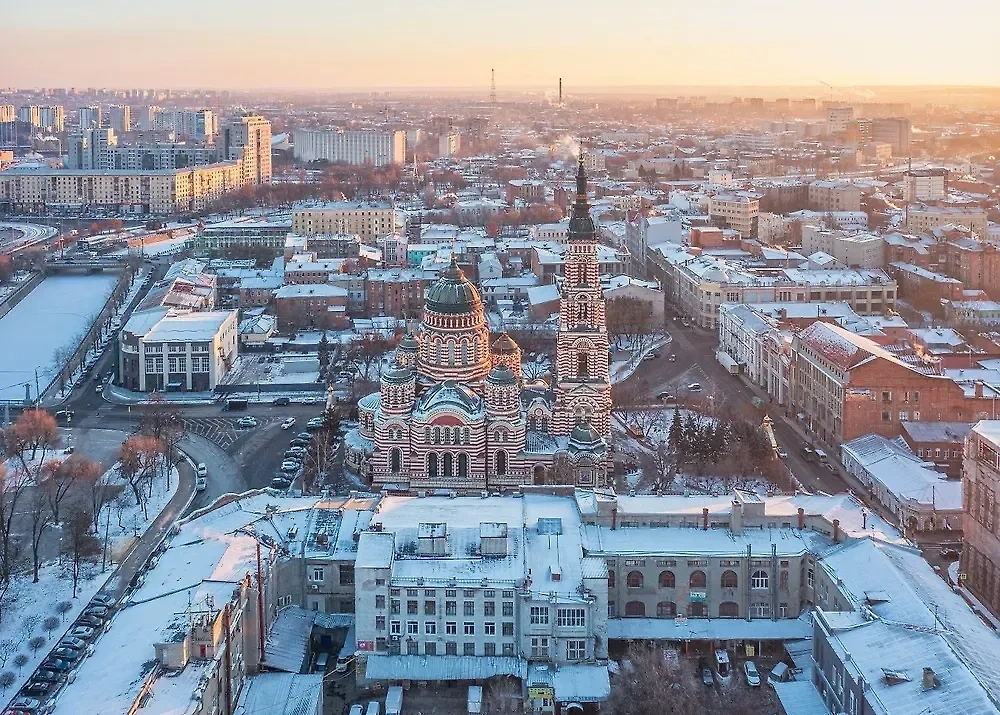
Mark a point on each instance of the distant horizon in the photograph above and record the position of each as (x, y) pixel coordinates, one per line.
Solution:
(450, 44)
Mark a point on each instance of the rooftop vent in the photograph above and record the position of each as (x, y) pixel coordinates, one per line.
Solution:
(432, 538)
(550, 526)
(894, 677)
(930, 679)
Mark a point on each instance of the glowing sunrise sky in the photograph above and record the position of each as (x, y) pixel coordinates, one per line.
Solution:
(451, 43)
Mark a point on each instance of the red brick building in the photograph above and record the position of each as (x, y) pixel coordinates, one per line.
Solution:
(940, 443)
(397, 293)
(311, 307)
(531, 192)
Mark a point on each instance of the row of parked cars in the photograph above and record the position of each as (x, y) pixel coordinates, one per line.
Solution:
(295, 455)
(59, 666)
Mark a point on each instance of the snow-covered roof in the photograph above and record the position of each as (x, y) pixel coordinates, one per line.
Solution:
(287, 644)
(710, 629)
(311, 290)
(442, 667)
(281, 694)
(189, 326)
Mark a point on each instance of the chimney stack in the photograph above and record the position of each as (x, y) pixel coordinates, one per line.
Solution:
(930, 679)
(614, 519)
(736, 517)
(979, 388)
(704, 519)
(802, 518)
(836, 531)
(560, 91)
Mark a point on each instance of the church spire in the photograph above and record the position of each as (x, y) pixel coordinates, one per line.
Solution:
(581, 225)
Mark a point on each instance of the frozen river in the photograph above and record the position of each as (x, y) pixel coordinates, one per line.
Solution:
(53, 315)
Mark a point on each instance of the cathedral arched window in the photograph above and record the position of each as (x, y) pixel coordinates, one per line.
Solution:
(448, 464)
(465, 352)
(463, 465)
(465, 435)
(451, 353)
(395, 460)
(427, 434)
(475, 347)
(432, 464)
(583, 365)
(437, 435)
(501, 463)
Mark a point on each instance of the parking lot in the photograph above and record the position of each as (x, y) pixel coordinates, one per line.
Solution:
(224, 431)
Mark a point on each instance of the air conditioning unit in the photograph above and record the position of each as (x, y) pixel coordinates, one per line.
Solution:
(314, 587)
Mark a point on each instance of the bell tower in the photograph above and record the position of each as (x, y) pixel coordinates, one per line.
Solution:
(582, 381)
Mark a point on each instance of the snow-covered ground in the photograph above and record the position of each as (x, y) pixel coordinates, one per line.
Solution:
(35, 602)
(257, 369)
(160, 248)
(52, 316)
(624, 363)
(15, 282)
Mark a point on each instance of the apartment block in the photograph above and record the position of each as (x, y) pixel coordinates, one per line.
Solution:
(925, 185)
(357, 147)
(923, 219)
(247, 139)
(834, 196)
(736, 211)
(370, 220)
(980, 561)
(854, 250)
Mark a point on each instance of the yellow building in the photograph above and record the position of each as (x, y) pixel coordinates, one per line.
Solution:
(370, 220)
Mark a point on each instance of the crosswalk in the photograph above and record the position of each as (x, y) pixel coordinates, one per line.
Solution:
(221, 430)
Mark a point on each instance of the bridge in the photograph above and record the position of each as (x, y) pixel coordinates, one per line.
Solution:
(70, 266)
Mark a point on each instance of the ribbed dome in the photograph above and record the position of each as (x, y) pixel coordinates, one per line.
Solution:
(453, 293)
(501, 375)
(409, 344)
(504, 345)
(397, 374)
(585, 438)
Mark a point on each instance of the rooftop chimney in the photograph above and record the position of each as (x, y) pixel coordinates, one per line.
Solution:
(802, 518)
(930, 679)
(704, 519)
(836, 531)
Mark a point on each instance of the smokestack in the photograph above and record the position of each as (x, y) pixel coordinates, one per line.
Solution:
(802, 518)
(560, 91)
(614, 519)
(704, 519)
(836, 531)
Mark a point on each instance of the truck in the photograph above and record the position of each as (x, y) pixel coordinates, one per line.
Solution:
(475, 699)
(726, 360)
(394, 700)
(233, 404)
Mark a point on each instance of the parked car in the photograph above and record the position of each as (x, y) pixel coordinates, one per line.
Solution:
(97, 610)
(47, 675)
(57, 664)
(949, 553)
(282, 401)
(310, 399)
(91, 621)
(753, 677)
(84, 632)
(103, 599)
(38, 687)
(280, 483)
(73, 643)
(782, 454)
(672, 358)
(28, 705)
(296, 451)
(706, 673)
(288, 423)
(300, 442)
(290, 467)
(68, 654)
(303, 435)
(246, 422)
(666, 397)
(694, 387)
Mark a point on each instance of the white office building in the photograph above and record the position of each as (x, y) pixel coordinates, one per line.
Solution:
(377, 148)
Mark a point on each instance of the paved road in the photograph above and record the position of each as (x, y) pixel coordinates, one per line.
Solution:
(695, 350)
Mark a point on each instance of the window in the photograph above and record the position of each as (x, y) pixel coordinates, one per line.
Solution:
(490, 629)
(760, 610)
(758, 580)
(411, 608)
(730, 579)
(576, 650)
(451, 628)
(489, 608)
(412, 647)
(729, 609)
(583, 365)
(611, 578)
(782, 610)
(412, 628)
(916, 397)
(886, 417)
(612, 610)
(635, 609)
(501, 463)
(508, 609)
(697, 579)
(394, 607)
(571, 617)
(539, 647)
(450, 608)
(489, 649)
(783, 580)
(886, 397)
(463, 465)
(634, 579)
(451, 648)
(380, 602)
(507, 628)
(380, 623)
(429, 593)
(666, 609)
(539, 615)
(468, 649)
(448, 464)
(395, 460)
(430, 648)
(469, 608)
(450, 593)
(903, 416)
(430, 628)
(432, 463)
(508, 649)
(430, 607)
(395, 628)
(697, 609)
(667, 579)
(810, 578)
(316, 574)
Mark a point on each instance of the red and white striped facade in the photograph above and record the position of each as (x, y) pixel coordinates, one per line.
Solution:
(453, 412)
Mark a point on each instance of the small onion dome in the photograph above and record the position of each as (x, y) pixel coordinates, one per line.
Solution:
(397, 374)
(501, 375)
(585, 438)
(453, 293)
(409, 344)
(504, 345)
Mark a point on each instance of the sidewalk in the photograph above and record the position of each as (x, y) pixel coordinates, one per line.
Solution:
(117, 395)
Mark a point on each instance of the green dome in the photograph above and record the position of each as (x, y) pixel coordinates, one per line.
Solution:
(585, 438)
(501, 375)
(397, 374)
(504, 345)
(409, 344)
(453, 293)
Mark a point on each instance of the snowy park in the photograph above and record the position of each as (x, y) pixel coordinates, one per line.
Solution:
(51, 317)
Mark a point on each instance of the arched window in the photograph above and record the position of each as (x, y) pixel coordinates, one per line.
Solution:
(667, 579)
(697, 609)
(451, 353)
(729, 609)
(448, 464)
(611, 578)
(583, 365)
(395, 460)
(783, 580)
(427, 435)
(635, 609)
(465, 352)
(730, 579)
(666, 609)
(432, 464)
(437, 435)
(501, 463)
(465, 435)
(634, 579)
(758, 580)
(697, 580)
(463, 465)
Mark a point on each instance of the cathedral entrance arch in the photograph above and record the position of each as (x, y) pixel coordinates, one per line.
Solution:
(538, 476)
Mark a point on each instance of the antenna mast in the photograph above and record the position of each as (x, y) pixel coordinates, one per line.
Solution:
(493, 87)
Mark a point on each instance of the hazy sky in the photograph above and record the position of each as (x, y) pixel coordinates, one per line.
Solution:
(454, 43)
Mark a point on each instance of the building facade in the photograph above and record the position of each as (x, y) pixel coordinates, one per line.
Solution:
(981, 527)
(370, 220)
(360, 147)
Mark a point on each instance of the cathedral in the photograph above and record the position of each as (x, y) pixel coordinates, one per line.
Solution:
(453, 412)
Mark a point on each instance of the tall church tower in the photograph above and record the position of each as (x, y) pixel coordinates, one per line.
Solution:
(582, 382)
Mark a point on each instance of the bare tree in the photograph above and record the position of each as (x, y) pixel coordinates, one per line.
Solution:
(7, 649)
(35, 430)
(36, 643)
(13, 483)
(40, 516)
(138, 460)
(366, 353)
(502, 697)
(64, 607)
(319, 461)
(50, 624)
(20, 660)
(7, 679)
(79, 545)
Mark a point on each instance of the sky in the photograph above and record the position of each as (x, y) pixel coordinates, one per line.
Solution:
(324, 44)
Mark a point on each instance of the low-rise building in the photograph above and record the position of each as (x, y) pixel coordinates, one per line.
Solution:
(854, 250)
(243, 234)
(736, 211)
(397, 293)
(311, 306)
(921, 219)
(981, 527)
(369, 220)
(834, 196)
(939, 443)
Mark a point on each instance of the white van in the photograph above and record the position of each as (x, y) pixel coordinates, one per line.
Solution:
(373, 708)
(357, 710)
(475, 699)
(722, 664)
(201, 478)
(394, 700)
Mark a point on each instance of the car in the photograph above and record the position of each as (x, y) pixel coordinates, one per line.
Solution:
(38, 687)
(97, 377)
(103, 599)
(314, 426)
(303, 435)
(91, 622)
(69, 450)
(831, 467)
(49, 676)
(694, 387)
(288, 423)
(64, 415)
(706, 673)
(68, 654)
(666, 397)
(310, 399)
(290, 467)
(97, 610)
(280, 483)
(297, 451)
(246, 422)
(672, 358)
(649, 356)
(949, 553)
(28, 705)
(753, 677)
(74, 643)
(300, 442)
(99, 389)
(202, 470)
(282, 401)
(84, 632)
(57, 664)
(357, 710)
(782, 454)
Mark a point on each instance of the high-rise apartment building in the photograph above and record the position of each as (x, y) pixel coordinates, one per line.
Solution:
(838, 119)
(201, 123)
(30, 114)
(144, 117)
(7, 113)
(91, 149)
(88, 117)
(376, 148)
(925, 185)
(120, 117)
(52, 118)
(894, 131)
(247, 139)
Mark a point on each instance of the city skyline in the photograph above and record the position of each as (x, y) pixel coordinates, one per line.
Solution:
(450, 45)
